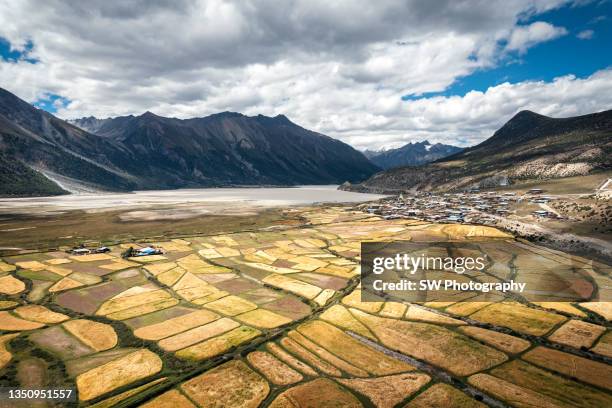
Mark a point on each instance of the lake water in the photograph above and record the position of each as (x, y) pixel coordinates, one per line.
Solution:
(260, 197)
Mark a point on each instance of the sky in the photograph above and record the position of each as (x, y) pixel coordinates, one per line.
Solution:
(374, 74)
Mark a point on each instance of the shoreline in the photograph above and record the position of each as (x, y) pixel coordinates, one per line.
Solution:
(215, 197)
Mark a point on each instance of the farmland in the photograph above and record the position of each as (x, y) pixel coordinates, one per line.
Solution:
(272, 315)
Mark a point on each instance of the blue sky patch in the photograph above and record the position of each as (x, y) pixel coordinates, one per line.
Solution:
(584, 50)
(14, 55)
(52, 102)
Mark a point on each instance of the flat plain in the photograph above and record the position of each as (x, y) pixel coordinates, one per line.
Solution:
(271, 315)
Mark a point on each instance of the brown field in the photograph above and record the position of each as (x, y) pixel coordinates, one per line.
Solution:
(5, 355)
(519, 318)
(341, 317)
(75, 227)
(78, 366)
(326, 355)
(8, 322)
(9, 285)
(231, 305)
(172, 398)
(117, 373)
(267, 311)
(443, 395)
(351, 350)
(387, 392)
(317, 393)
(273, 369)
(175, 325)
(450, 350)
(290, 360)
(577, 334)
(98, 336)
(263, 319)
(232, 384)
(524, 384)
(198, 334)
(310, 358)
(59, 342)
(41, 314)
(591, 372)
(218, 345)
(504, 342)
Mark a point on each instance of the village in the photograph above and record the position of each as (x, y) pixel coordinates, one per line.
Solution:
(473, 206)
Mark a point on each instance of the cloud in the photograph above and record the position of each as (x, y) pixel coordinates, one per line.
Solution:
(585, 35)
(524, 37)
(598, 19)
(475, 116)
(337, 67)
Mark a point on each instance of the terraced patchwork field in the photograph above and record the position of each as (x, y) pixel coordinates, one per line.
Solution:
(275, 318)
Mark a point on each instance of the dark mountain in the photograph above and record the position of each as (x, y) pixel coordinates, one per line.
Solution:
(19, 180)
(32, 137)
(90, 124)
(232, 149)
(412, 154)
(153, 152)
(528, 146)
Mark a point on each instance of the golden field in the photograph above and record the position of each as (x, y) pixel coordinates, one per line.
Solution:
(273, 316)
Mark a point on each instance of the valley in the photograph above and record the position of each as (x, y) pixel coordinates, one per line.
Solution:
(306, 204)
(266, 313)
(46, 222)
(151, 152)
(238, 296)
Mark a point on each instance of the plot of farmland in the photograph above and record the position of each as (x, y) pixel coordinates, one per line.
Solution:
(274, 317)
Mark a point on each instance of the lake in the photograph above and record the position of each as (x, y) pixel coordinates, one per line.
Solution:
(259, 197)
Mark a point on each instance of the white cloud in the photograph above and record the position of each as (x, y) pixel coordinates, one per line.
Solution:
(475, 116)
(586, 34)
(523, 37)
(336, 67)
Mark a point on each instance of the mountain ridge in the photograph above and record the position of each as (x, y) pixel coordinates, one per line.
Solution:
(251, 145)
(529, 146)
(38, 139)
(153, 152)
(411, 154)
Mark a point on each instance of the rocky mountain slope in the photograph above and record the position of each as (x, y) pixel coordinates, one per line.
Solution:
(34, 138)
(18, 180)
(411, 154)
(231, 149)
(528, 146)
(152, 152)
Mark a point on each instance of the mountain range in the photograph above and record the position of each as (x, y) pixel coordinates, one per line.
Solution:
(411, 154)
(41, 154)
(154, 152)
(528, 146)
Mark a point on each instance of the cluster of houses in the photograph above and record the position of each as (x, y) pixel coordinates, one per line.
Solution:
(82, 250)
(472, 206)
(149, 250)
